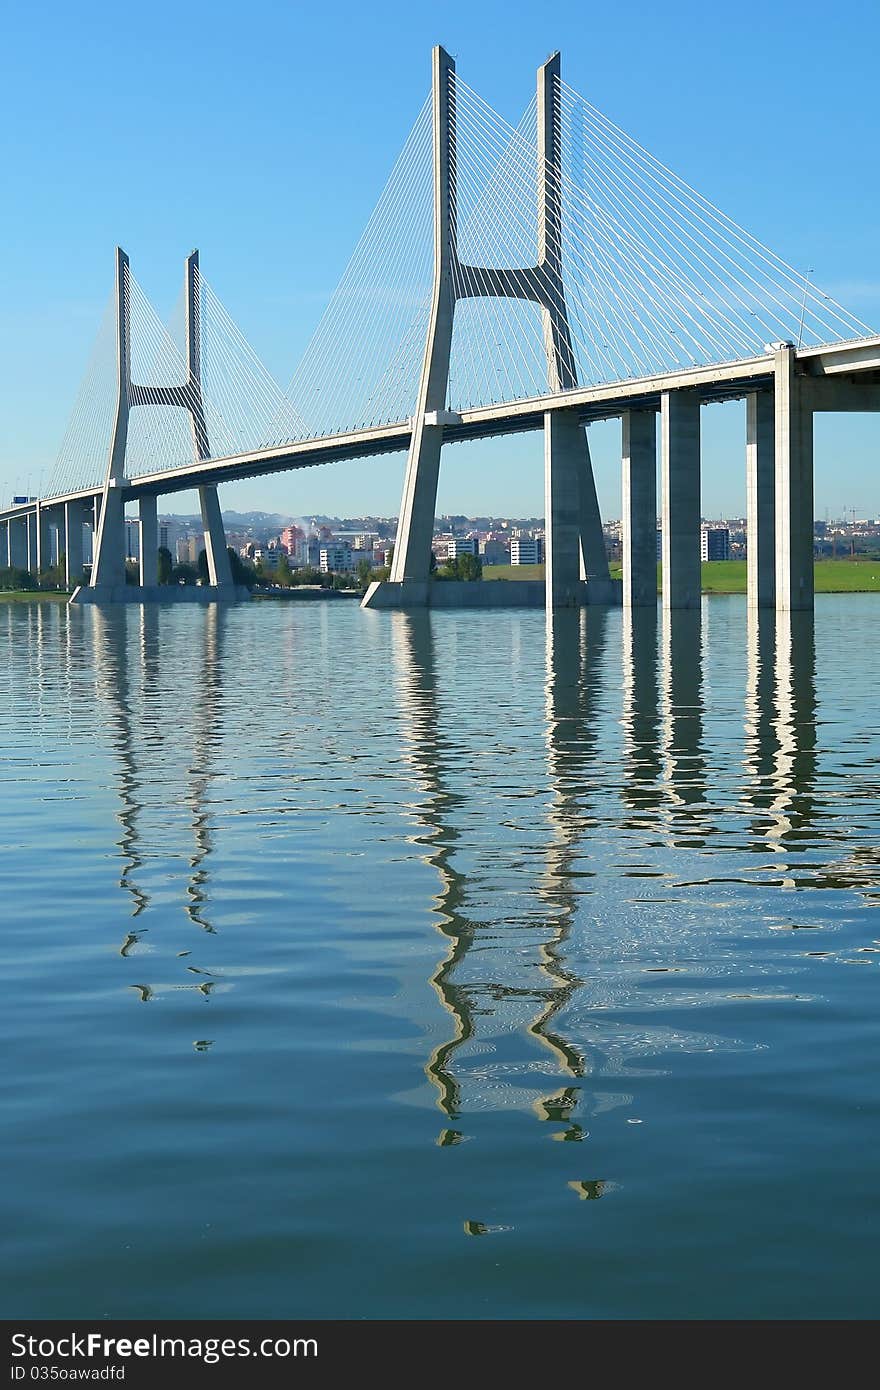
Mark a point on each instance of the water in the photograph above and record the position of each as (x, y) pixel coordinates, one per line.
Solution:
(365, 965)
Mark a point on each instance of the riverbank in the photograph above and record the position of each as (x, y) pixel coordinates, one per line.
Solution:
(729, 576)
(718, 577)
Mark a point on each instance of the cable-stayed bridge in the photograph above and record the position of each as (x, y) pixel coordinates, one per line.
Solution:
(511, 277)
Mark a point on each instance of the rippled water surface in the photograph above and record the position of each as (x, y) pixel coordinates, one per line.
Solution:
(367, 965)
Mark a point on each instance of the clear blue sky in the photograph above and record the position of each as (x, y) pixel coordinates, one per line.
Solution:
(262, 133)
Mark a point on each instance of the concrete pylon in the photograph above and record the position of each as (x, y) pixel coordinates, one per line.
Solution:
(793, 443)
(108, 560)
(219, 568)
(412, 550)
(108, 565)
(575, 544)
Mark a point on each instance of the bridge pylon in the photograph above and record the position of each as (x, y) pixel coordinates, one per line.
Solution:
(108, 567)
(574, 545)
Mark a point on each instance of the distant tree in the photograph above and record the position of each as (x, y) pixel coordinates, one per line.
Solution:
(165, 564)
(462, 567)
(307, 575)
(184, 574)
(132, 572)
(364, 573)
(283, 573)
(469, 567)
(13, 578)
(52, 577)
(242, 572)
(432, 567)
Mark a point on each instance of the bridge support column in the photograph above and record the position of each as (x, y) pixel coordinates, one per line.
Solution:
(33, 549)
(73, 543)
(593, 555)
(18, 543)
(148, 508)
(760, 500)
(219, 568)
(680, 477)
(794, 486)
(108, 551)
(4, 544)
(563, 462)
(639, 538)
(44, 539)
(58, 546)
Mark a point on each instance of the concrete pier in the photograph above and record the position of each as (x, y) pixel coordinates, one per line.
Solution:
(639, 514)
(680, 501)
(793, 435)
(74, 520)
(760, 500)
(563, 459)
(148, 509)
(219, 568)
(44, 539)
(108, 563)
(18, 543)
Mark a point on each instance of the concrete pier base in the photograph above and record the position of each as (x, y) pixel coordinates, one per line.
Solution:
(161, 593)
(482, 593)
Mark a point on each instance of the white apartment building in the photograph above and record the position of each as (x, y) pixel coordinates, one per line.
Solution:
(527, 550)
(714, 543)
(462, 545)
(336, 557)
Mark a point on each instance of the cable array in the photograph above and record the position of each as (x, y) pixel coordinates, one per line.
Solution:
(639, 275)
(654, 277)
(82, 457)
(362, 365)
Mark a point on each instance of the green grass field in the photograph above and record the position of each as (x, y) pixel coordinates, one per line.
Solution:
(729, 576)
(33, 596)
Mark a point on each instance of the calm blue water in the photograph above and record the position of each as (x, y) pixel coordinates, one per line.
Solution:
(362, 965)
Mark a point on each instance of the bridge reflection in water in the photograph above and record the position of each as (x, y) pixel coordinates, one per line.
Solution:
(534, 984)
(503, 979)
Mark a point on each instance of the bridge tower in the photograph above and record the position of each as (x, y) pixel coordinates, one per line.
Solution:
(575, 546)
(108, 568)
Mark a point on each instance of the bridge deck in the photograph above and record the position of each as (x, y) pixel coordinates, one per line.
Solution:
(856, 358)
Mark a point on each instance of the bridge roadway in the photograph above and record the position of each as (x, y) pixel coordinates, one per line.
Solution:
(857, 358)
(842, 376)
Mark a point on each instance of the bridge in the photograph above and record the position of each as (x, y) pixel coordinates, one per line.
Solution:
(511, 278)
